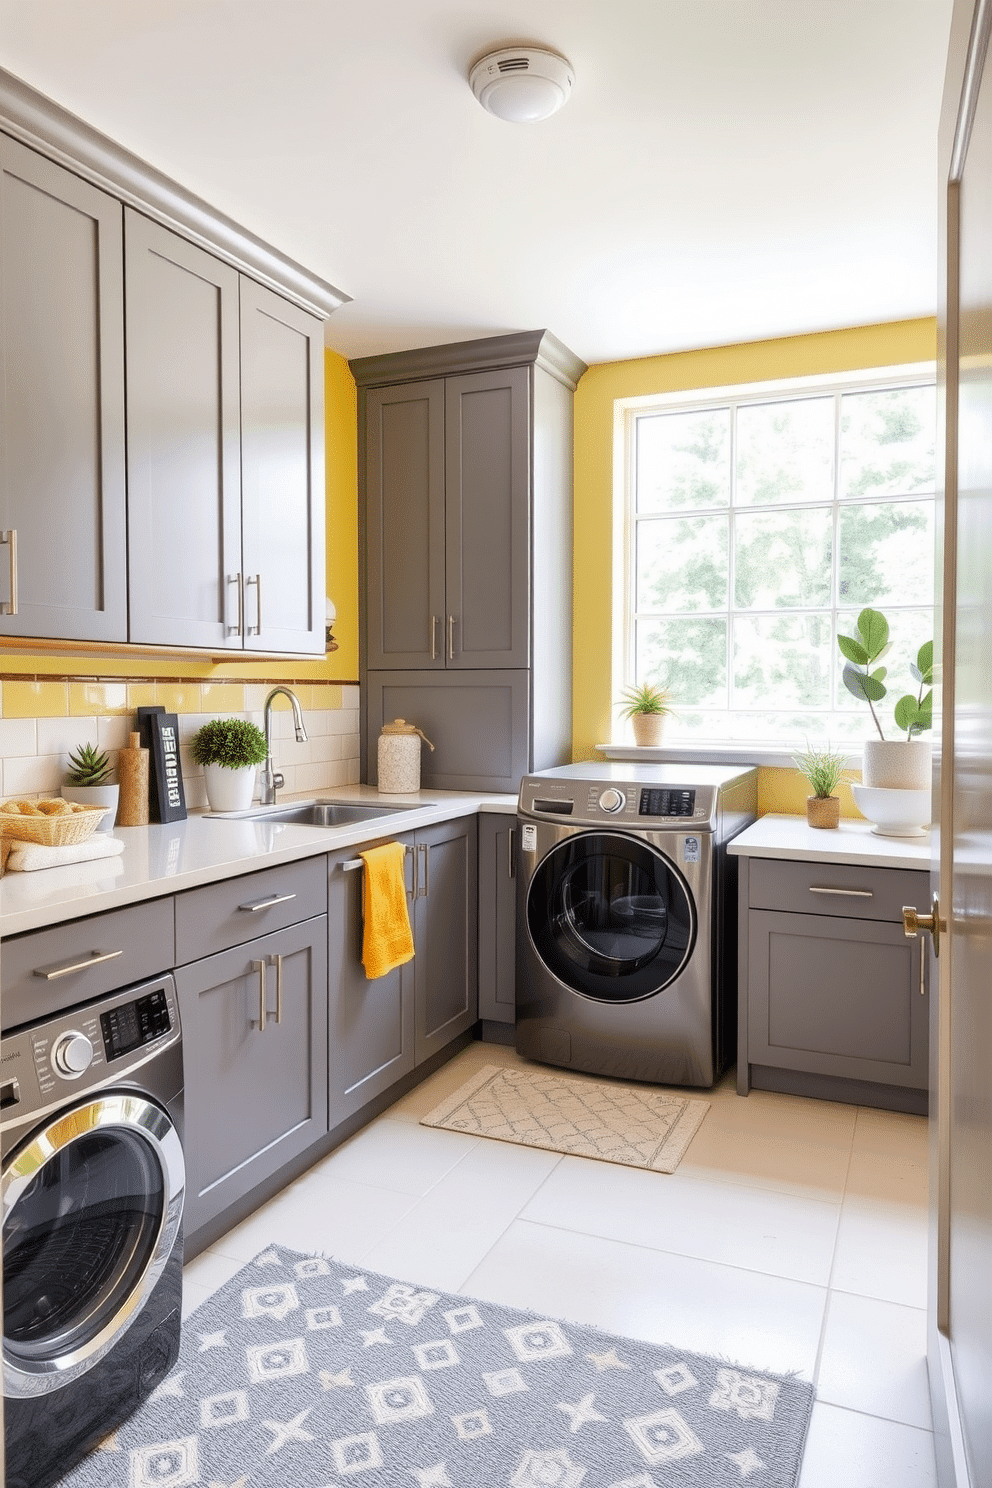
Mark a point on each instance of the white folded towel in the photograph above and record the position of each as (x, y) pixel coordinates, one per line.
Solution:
(26, 857)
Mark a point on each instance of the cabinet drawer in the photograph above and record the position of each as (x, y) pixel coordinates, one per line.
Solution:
(237, 910)
(138, 942)
(835, 889)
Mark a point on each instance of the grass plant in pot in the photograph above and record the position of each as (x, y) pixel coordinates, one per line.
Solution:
(825, 771)
(646, 705)
(89, 783)
(230, 750)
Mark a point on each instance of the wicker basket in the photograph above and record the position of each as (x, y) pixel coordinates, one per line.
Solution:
(51, 831)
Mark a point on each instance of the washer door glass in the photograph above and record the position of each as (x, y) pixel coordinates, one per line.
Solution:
(77, 1240)
(611, 917)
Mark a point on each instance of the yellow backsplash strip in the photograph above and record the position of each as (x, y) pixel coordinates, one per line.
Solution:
(88, 697)
(784, 790)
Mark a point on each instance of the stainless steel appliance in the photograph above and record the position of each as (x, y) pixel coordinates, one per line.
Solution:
(92, 1185)
(627, 918)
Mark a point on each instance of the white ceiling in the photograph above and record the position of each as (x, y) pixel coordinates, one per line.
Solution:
(725, 170)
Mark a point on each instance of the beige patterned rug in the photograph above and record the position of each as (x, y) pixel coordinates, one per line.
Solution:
(635, 1125)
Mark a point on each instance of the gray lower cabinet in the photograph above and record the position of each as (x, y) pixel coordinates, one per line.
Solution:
(63, 565)
(833, 996)
(380, 1030)
(497, 918)
(256, 1096)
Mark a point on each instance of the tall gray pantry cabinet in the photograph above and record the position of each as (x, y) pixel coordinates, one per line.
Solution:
(465, 457)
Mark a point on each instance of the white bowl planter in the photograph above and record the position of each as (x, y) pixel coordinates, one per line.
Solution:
(896, 813)
(227, 789)
(897, 764)
(107, 796)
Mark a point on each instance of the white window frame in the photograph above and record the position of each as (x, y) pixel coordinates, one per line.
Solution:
(626, 411)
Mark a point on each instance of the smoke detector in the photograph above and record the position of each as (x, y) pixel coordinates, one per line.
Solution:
(522, 84)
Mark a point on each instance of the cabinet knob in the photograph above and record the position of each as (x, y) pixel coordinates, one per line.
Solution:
(913, 922)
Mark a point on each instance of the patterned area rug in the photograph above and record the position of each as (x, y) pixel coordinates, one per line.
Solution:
(307, 1373)
(631, 1124)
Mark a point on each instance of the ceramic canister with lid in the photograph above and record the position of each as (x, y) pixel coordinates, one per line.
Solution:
(399, 758)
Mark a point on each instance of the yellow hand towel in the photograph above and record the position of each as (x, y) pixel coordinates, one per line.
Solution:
(388, 940)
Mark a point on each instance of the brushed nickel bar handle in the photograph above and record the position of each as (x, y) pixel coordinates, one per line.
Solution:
(844, 893)
(451, 637)
(276, 961)
(256, 579)
(415, 882)
(257, 904)
(51, 973)
(9, 607)
(259, 1023)
(511, 857)
(433, 638)
(424, 847)
(238, 579)
(923, 965)
(352, 866)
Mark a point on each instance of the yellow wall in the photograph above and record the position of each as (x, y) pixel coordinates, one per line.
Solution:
(187, 683)
(758, 361)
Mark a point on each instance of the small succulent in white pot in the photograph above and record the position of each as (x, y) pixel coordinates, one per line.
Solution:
(230, 750)
(890, 764)
(89, 782)
(646, 705)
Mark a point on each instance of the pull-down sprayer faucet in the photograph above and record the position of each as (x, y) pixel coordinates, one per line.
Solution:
(271, 780)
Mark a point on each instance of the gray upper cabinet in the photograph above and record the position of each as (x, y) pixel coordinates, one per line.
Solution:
(184, 455)
(282, 472)
(447, 501)
(62, 501)
(225, 428)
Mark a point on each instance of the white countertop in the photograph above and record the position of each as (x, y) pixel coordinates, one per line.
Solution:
(164, 859)
(854, 842)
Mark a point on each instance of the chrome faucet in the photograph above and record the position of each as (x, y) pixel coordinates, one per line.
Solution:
(271, 780)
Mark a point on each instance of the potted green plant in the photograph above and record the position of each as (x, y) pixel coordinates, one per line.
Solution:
(229, 749)
(891, 764)
(825, 770)
(89, 781)
(646, 705)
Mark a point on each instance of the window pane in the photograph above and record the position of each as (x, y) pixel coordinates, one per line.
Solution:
(783, 559)
(785, 452)
(682, 564)
(782, 660)
(687, 655)
(886, 553)
(791, 727)
(887, 442)
(683, 460)
(908, 629)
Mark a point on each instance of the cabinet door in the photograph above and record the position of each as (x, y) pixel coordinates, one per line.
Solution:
(282, 473)
(445, 934)
(404, 494)
(836, 996)
(487, 519)
(497, 918)
(370, 1023)
(478, 722)
(61, 403)
(255, 1098)
(183, 450)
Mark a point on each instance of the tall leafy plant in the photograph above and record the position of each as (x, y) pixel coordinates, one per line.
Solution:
(865, 679)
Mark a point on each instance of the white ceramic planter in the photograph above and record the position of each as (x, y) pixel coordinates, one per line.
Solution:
(896, 764)
(229, 790)
(648, 729)
(96, 795)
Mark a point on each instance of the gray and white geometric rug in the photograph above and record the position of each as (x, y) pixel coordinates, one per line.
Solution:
(639, 1126)
(304, 1373)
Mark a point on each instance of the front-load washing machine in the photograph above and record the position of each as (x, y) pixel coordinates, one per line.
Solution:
(93, 1182)
(627, 918)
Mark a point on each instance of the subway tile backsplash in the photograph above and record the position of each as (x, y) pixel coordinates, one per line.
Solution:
(41, 721)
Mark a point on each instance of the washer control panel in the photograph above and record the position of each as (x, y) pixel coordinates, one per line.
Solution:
(612, 800)
(667, 802)
(625, 801)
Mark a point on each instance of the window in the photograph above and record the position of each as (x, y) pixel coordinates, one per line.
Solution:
(759, 525)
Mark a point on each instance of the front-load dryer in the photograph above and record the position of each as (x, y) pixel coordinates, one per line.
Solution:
(626, 918)
(93, 1183)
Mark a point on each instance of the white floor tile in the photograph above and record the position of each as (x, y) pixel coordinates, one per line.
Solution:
(760, 1321)
(398, 1155)
(895, 1178)
(449, 1231)
(789, 1164)
(193, 1297)
(891, 1134)
(758, 1230)
(447, 1080)
(882, 1251)
(210, 1270)
(845, 1449)
(874, 1359)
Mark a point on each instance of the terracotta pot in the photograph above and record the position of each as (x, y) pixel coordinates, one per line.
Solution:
(648, 729)
(823, 811)
(896, 764)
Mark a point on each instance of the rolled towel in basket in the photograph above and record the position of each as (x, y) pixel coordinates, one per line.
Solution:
(26, 857)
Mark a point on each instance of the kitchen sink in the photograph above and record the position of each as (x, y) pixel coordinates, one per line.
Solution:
(323, 813)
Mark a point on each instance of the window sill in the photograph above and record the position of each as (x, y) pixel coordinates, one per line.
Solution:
(778, 757)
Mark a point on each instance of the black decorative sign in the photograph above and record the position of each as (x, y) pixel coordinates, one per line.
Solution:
(160, 736)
